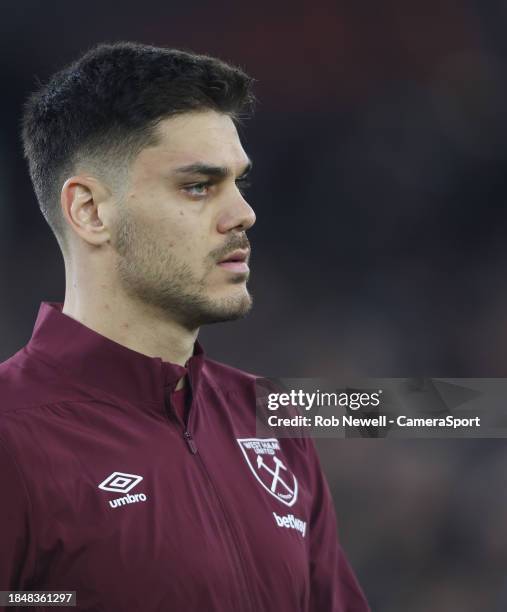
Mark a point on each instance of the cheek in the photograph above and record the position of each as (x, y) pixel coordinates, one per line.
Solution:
(189, 233)
(167, 226)
(181, 237)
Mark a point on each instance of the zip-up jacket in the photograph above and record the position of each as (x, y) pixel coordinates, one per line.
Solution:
(106, 491)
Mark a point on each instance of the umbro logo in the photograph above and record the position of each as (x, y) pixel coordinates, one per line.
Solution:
(120, 482)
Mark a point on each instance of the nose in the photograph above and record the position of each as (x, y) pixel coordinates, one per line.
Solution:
(238, 215)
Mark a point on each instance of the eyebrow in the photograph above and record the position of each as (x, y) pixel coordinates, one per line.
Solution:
(219, 172)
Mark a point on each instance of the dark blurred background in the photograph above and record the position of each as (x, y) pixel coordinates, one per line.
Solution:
(380, 184)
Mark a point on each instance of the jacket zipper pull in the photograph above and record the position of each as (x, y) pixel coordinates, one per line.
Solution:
(190, 441)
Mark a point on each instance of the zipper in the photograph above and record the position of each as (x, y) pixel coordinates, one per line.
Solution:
(240, 562)
(186, 433)
(229, 526)
(187, 436)
(190, 442)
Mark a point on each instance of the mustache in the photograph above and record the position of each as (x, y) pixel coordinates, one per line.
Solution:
(236, 242)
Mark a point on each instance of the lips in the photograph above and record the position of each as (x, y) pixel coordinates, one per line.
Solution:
(236, 261)
(236, 256)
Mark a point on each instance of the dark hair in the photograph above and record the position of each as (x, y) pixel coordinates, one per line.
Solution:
(108, 103)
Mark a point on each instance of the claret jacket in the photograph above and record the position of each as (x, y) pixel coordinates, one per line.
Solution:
(106, 491)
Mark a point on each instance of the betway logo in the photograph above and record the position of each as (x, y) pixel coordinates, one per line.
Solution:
(291, 522)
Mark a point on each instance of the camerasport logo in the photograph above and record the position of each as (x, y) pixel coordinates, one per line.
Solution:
(120, 482)
(262, 457)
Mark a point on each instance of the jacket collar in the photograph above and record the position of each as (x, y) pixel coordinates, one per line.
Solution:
(96, 361)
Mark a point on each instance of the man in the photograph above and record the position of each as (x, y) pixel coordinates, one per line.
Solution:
(131, 472)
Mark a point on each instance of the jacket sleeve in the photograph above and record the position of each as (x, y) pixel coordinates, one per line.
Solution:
(15, 520)
(333, 585)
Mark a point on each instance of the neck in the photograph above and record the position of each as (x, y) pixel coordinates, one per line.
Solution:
(132, 324)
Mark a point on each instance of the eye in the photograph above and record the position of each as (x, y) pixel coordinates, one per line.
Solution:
(198, 190)
(243, 183)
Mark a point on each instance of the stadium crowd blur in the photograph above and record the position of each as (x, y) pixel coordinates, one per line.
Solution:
(380, 186)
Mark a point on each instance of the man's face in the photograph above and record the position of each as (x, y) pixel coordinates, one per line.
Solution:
(180, 231)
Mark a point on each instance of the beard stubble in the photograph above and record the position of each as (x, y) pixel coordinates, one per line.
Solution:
(152, 274)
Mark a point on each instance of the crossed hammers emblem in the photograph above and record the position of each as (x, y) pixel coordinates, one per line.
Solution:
(275, 473)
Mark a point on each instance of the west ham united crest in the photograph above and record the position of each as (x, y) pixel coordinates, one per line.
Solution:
(263, 458)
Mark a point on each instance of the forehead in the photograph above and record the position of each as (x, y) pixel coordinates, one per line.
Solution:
(207, 136)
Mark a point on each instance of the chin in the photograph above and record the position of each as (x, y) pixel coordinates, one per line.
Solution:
(228, 309)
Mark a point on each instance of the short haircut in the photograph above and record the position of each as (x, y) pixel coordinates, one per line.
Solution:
(107, 104)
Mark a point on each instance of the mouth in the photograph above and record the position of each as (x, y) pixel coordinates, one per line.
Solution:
(237, 261)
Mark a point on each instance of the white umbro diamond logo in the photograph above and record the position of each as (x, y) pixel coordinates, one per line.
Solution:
(119, 482)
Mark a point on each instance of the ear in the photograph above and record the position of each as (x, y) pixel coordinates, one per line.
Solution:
(86, 203)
